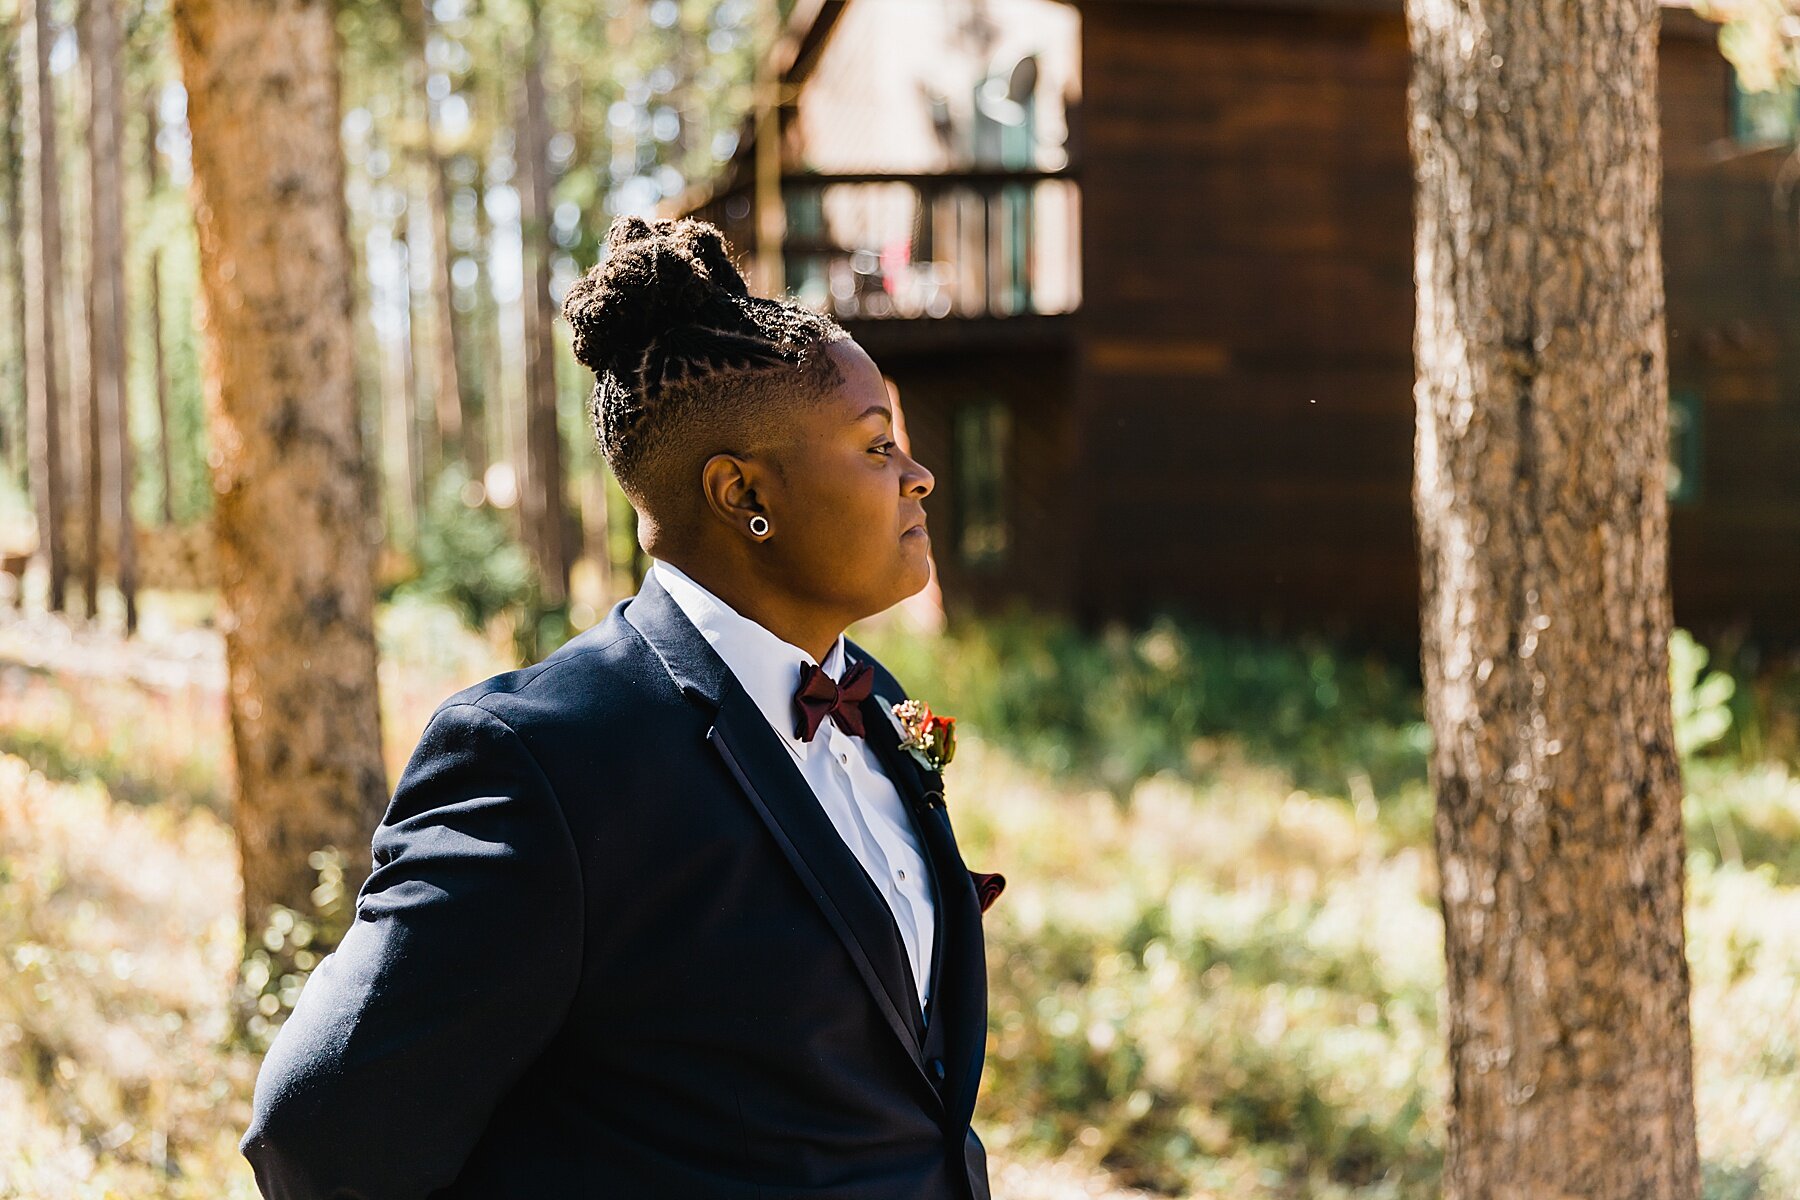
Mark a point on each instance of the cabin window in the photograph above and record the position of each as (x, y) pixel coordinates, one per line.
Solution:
(1004, 134)
(981, 449)
(1768, 118)
(804, 268)
(1684, 445)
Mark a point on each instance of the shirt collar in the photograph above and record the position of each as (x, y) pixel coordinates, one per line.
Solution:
(766, 666)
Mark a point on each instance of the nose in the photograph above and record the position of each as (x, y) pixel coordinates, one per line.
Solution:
(917, 481)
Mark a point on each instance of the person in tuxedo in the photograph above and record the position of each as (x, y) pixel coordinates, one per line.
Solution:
(672, 913)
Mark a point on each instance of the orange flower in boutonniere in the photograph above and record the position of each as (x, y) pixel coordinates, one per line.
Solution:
(928, 737)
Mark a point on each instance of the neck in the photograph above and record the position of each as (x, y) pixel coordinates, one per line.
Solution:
(789, 618)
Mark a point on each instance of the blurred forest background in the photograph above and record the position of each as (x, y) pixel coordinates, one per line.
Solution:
(1219, 966)
(642, 99)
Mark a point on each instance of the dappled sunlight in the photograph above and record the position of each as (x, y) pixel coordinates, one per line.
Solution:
(1188, 990)
(121, 930)
(1744, 952)
(1213, 981)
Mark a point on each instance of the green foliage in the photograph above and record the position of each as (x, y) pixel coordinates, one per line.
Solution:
(1757, 39)
(539, 628)
(467, 557)
(276, 965)
(1702, 702)
(1727, 1181)
(1219, 1034)
(467, 560)
(1130, 703)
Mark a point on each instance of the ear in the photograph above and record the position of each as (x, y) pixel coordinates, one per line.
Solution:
(736, 489)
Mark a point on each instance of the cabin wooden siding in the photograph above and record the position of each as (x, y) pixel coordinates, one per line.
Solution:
(1244, 369)
(1225, 427)
(1732, 281)
(1040, 568)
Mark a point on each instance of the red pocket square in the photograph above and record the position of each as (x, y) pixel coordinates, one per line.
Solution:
(987, 887)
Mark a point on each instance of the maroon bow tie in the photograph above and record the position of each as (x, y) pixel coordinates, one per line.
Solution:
(819, 696)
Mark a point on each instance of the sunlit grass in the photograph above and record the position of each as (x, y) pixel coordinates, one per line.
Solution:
(119, 928)
(1222, 979)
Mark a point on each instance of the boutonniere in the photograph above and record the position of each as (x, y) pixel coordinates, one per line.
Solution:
(928, 737)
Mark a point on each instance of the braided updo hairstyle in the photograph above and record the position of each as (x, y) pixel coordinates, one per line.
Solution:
(683, 356)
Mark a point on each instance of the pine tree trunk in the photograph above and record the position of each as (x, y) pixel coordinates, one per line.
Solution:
(160, 369)
(456, 436)
(293, 503)
(43, 269)
(493, 411)
(12, 245)
(412, 422)
(1543, 531)
(461, 438)
(544, 500)
(106, 273)
(87, 446)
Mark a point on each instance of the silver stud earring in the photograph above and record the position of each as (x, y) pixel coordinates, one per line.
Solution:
(759, 525)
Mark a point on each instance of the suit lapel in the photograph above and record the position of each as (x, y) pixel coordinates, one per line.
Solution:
(959, 972)
(774, 785)
(914, 784)
(825, 864)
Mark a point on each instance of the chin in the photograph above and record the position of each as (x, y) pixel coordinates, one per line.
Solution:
(916, 574)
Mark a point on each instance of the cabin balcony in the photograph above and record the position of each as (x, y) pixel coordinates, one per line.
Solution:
(912, 261)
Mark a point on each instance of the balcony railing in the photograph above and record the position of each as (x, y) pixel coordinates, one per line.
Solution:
(991, 243)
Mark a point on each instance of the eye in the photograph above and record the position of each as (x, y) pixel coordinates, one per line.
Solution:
(884, 449)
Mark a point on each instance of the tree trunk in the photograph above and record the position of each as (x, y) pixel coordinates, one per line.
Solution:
(413, 424)
(456, 436)
(544, 497)
(12, 234)
(1543, 531)
(43, 291)
(293, 504)
(105, 58)
(494, 411)
(160, 371)
(85, 448)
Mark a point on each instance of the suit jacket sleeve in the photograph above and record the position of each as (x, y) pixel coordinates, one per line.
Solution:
(460, 966)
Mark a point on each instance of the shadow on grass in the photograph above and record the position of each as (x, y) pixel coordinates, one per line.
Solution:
(193, 786)
(145, 745)
(1735, 1181)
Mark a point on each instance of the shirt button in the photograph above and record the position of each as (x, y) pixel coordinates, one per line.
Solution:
(843, 758)
(903, 876)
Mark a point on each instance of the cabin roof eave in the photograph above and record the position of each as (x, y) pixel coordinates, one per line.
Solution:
(809, 27)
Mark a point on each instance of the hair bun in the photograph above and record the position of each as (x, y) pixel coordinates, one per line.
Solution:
(655, 276)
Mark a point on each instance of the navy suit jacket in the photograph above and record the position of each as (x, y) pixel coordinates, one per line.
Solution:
(611, 946)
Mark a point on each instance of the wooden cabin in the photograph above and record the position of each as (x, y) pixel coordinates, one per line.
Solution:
(1140, 272)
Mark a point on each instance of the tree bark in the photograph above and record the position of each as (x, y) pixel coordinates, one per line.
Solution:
(13, 234)
(43, 292)
(110, 412)
(160, 369)
(86, 447)
(416, 489)
(456, 436)
(495, 413)
(293, 503)
(544, 496)
(1543, 535)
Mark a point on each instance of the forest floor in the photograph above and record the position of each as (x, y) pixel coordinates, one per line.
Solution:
(119, 896)
(1229, 987)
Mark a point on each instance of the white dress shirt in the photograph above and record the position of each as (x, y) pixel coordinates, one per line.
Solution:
(845, 774)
